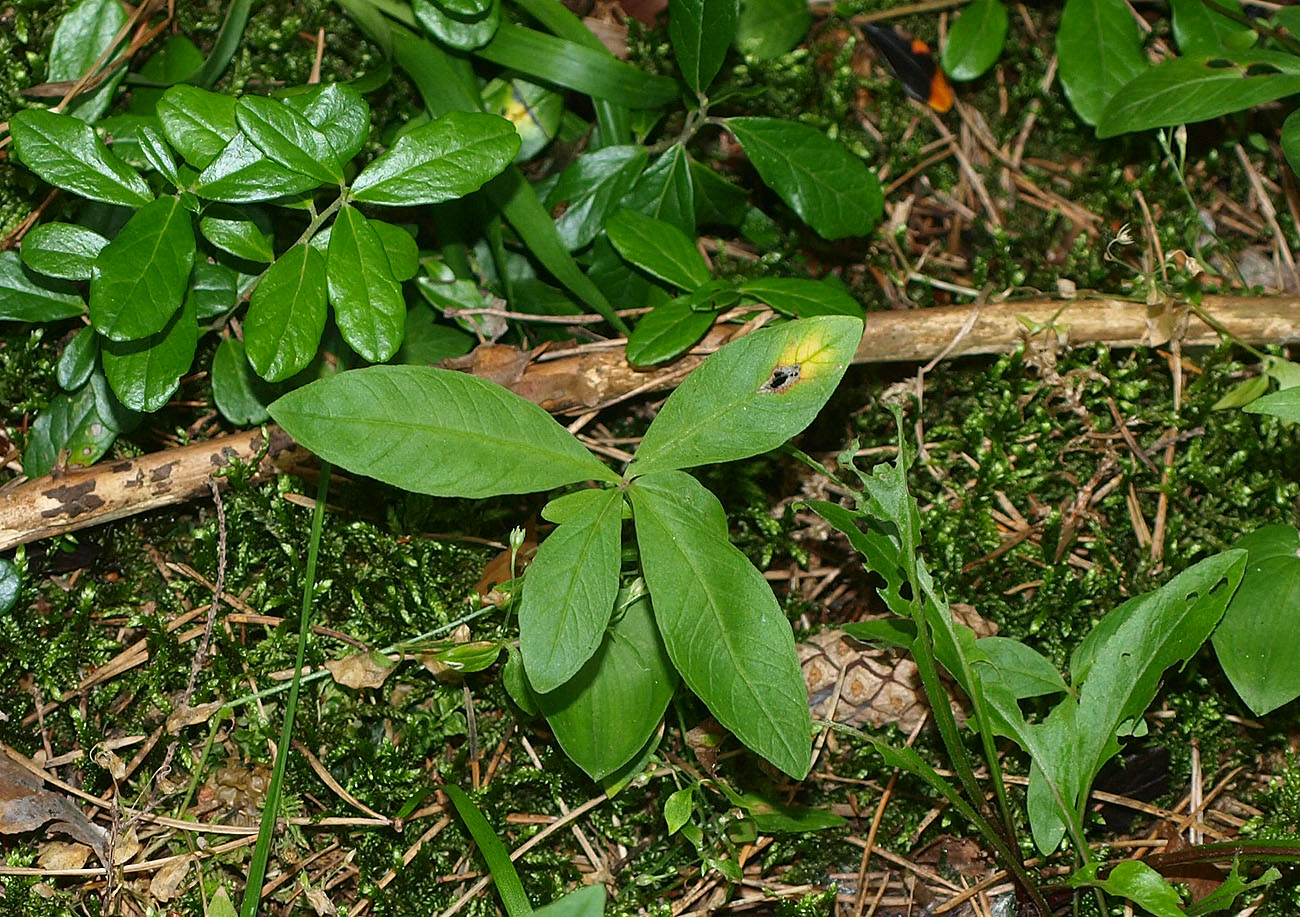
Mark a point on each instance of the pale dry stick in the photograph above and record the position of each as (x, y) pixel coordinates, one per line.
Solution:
(917, 170)
(1195, 794)
(583, 319)
(328, 779)
(91, 872)
(977, 182)
(1269, 213)
(581, 422)
(830, 715)
(1152, 235)
(523, 848)
(314, 77)
(596, 860)
(880, 895)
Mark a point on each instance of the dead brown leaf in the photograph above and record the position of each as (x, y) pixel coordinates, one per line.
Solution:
(361, 670)
(26, 805)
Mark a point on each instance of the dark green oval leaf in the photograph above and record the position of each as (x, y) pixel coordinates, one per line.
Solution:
(976, 39)
(340, 113)
(23, 299)
(667, 331)
(82, 425)
(62, 250)
(399, 245)
(770, 28)
(245, 232)
(140, 277)
(67, 153)
(84, 34)
(368, 303)
(288, 138)
(461, 33)
(1100, 51)
(240, 395)
(829, 187)
(435, 431)
(445, 159)
(286, 314)
(701, 31)
(145, 373)
(198, 123)
(78, 360)
(242, 174)
(665, 191)
(658, 248)
(803, 298)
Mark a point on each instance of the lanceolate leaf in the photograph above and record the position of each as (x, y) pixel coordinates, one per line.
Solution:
(140, 277)
(288, 138)
(1100, 51)
(286, 314)
(823, 182)
(658, 248)
(197, 123)
(976, 39)
(1284, 404)
(667, 331)
(1188, 89)
(590, 187)
(803, 298)
(242, 174)
(62, 250)
(368, 303)
(701, 31)
(436, 432)
(569, 590)
(145, 373)
(606, 712)
(665, 191)
(750, 396)
(447, 158)
(67, 153)
(22, 299)
(84, 33)
(720, 622)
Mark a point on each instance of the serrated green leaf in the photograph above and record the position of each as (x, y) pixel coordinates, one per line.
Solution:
(140, 278)
(445, 159)
(286, 314)
(665, 190)
(198, 123)
(605, 714)
(976, 39)
(243, 174)
(1100, 52)
(769, 28)
(245, 232)
(83, 35)
(436, 432)
(368, 303)
(78, 360)
(590, 188)
(701, 31)
(721, 624)
(803, 298)
(24, 299)
(240, 395)
(829, 187)
(667, 331)
(340, 113)
(288, 138)
(750, 396)
(569, 591)
(1189, 89)
(145, 373)
(62, 250)
(67, 153)
(659, 248)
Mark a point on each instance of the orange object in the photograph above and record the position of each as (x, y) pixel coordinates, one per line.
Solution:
(912, 63)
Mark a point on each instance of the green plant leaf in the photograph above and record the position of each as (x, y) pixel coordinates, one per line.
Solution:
(717, 201)
(1136, 881)
(240, 395)
(667, 331)
(245, 232)
(24, 299)
(445, 159)
(78, 360)
(288, 138)
(1242, 394)
(158, 155)
(769, 28)
(340, 113)
(426, 341)
(1256, 641)
(62, 250)
(144, 373)
(590, 188)
(975, 40)
(678, 808)
(722, 626)
(751, 396)
(587, 901)
(11, 583)
(1023, 670)
(243, 174)
(66, 152)
(829, 187)
(534, 110)
(399, 245)
(494, 853)
(1100, 52)
(604, 715)
(1188, 89)
(435, 431)
(462, 32)
(286, 314)
(777, 818)
(368, 303)
(803, 298)
(701, 31)
(574, 66)
(213, 287)
(178, 61)
(84, 33)
(1284, 404)
(659, 248)
(1199, 29)
(665, 190)
(82, 425)
(569, 591)
(140, 277)
(198, 123)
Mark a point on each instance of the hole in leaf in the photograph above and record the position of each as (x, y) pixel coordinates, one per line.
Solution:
(1220, 63)
(1261, 69)
(784, 376)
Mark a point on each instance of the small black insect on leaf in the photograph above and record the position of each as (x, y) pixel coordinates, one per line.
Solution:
(782, 378)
